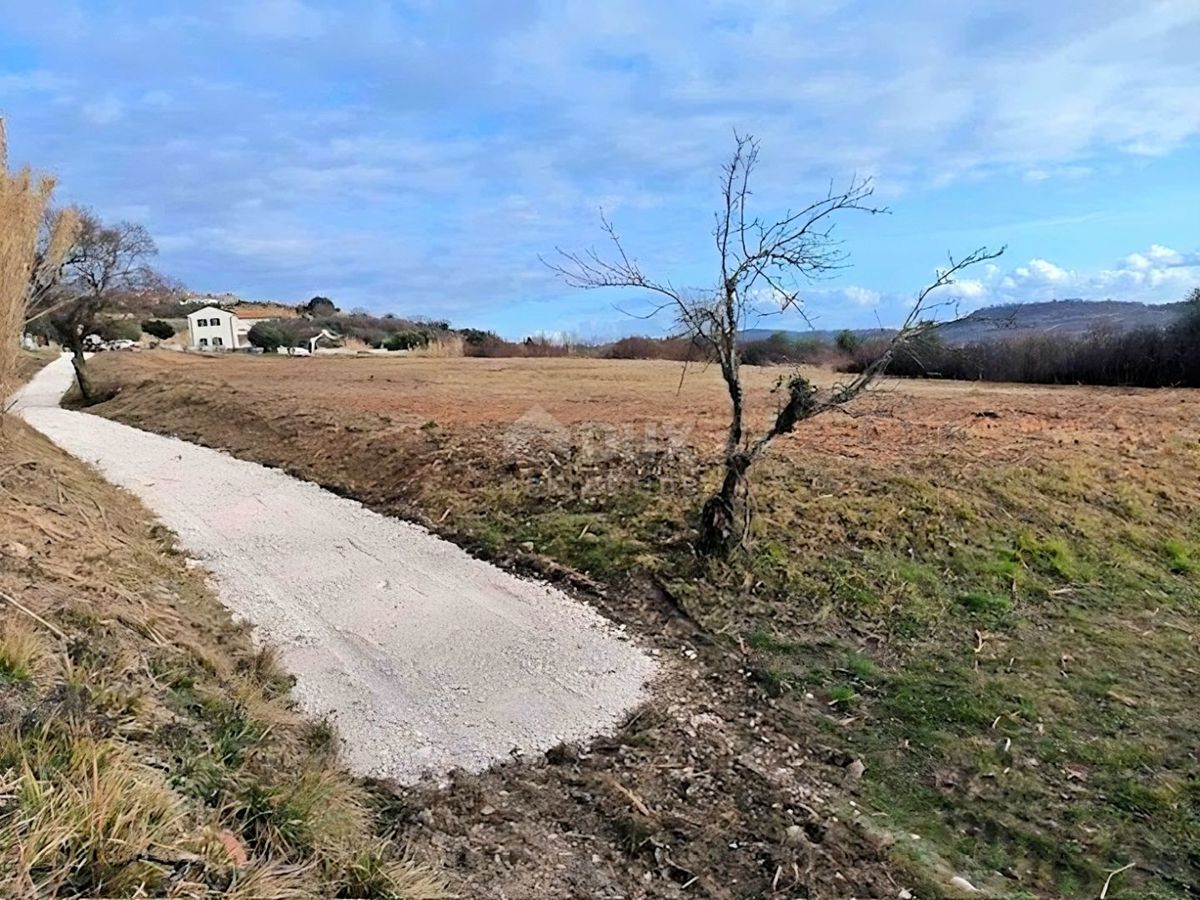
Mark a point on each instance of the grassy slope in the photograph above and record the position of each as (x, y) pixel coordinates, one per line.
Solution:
(1009, 646)
(1011, 649)
(147, 748)
(1020, 661)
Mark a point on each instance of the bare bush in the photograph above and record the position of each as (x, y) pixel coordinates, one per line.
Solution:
(762, 267)
(675, 349)
(780, 348)
(491, 346)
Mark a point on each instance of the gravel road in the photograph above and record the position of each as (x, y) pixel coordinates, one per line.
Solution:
(426, 658)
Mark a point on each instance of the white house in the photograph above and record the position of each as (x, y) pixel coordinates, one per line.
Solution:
(213, 328)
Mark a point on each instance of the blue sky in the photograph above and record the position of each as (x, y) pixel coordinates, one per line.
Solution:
(417, 157)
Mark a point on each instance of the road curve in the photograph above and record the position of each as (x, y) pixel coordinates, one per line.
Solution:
(426, 659)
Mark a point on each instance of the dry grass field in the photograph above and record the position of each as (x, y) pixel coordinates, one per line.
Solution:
(1005, 421)
(989, 595)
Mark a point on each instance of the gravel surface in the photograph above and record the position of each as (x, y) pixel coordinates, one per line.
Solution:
(425, 658)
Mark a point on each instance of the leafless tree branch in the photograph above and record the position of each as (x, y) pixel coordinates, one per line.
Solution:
(763, 268)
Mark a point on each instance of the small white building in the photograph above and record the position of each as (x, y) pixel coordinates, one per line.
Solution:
(214, 328)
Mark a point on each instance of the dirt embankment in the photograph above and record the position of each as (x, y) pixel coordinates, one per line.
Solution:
(714, 788)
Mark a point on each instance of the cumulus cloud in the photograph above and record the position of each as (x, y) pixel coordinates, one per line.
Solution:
(1157, 256)
(860, 296)
(1156, 275)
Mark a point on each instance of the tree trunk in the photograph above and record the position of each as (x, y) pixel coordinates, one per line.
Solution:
(81, 375)
(720, 530)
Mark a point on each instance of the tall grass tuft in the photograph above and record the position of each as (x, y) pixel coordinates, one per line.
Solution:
(22, 651)
(24, 220)
(24, 197)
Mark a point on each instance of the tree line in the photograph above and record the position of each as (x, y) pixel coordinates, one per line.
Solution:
(1140, 357)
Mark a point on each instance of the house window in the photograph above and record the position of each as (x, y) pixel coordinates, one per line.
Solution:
(217, 342)
(203, 342)
(201, 323)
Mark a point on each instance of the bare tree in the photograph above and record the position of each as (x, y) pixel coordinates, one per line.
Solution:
(763, 266)
(105, 264)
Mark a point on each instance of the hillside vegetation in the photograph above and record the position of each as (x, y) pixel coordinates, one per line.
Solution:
(989, 599)
(1143, 356)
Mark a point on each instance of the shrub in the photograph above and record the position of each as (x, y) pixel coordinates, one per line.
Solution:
(487, 344)
(405, 340)
(319, 307)
(43, 328)
(159, 329)
(1146, 357)
(544, 347)
(119, 330)
(675, 349)
(490, 345)
(270, 336)
(374, 331)
(475, 337)
(780, 348)
(847, 341)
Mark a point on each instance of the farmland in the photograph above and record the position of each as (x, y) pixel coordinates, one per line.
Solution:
(961, 642)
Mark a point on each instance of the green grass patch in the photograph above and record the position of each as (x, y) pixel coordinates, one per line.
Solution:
(1180, 556)
(985, 604)
(1024, 671)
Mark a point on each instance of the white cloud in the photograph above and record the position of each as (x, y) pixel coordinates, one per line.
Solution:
(1165, 255)
(1156, 275)
(1046, 271)
(105, 111)
(861, 296)
(971, 289)
(34, 81)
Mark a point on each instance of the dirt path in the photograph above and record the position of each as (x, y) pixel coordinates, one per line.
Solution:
(426, 658)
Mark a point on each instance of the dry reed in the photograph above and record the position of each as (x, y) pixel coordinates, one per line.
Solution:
(24, 197)
(24, 211)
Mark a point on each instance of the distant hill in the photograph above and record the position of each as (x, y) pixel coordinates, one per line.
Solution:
(820, 336)
(1065, 317)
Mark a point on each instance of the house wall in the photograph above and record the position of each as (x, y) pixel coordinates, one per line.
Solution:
(219, 324)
